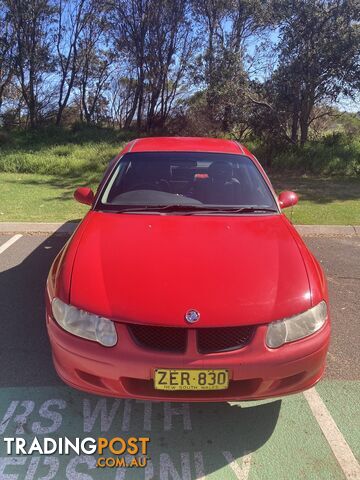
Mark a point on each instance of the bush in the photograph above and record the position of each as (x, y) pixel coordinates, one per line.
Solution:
(87, 150)
(58, 151)
(4, 138)
(335, 154)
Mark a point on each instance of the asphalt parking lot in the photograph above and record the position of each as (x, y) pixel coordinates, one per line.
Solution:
(311, 436)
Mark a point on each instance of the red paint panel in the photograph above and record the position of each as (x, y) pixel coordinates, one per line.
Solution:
(184, 144)
(152, 269)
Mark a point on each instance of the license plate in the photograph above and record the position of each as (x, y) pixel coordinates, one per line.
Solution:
(166, 379)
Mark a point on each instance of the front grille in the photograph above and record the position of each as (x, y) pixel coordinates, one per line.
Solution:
(164, 339)
(174, 339)
(212, 340)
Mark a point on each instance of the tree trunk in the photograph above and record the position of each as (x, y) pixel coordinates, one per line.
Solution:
(131, 113)
(295, 126)
(141, 79)
(59, 116)
(307, 107)
(304, 131)
(32, 114)
(226, 119)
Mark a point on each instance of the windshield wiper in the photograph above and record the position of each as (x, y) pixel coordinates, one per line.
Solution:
(232, 210)
(191, 209)
(157, 208)
(247, 209)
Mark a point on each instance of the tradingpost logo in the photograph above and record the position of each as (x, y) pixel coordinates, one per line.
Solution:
(112, 452)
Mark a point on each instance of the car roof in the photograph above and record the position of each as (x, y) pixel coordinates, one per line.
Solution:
(185, 144)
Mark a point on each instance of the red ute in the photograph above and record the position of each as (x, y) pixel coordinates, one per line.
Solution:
(185, 281)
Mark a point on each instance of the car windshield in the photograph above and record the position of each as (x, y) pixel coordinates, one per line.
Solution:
(186, 181)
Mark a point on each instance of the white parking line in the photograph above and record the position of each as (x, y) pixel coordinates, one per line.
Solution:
(335, 438)
(242, 473)
(8, 244)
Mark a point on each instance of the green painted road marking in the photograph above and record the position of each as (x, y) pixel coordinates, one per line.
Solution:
(297, 448)
(251, 441)
(347, 461)
(342, 399)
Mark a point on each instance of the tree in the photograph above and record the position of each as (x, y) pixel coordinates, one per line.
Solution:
(318, 57)
(228, 25)
(6, 51)
(130, 29)
(122, 88)
(95, 67)
(72, 18)
(168, 49)
(154, 37)
(32, 22)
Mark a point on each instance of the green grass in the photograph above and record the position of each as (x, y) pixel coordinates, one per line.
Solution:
(39, 198)
(323, 201)
(46, 198)
(39, 171)
(73, 151)
(60, 152)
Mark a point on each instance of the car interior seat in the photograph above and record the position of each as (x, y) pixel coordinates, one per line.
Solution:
(221, 187)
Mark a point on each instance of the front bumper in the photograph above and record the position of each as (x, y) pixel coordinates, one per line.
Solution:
(127, 370)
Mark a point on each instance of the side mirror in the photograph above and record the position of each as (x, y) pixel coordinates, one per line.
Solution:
(288, 199)
(84, 195)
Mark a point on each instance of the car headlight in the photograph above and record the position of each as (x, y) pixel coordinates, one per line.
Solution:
(84, 324)
(299, 326)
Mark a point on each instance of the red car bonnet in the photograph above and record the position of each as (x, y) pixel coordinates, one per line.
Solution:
(152, 268)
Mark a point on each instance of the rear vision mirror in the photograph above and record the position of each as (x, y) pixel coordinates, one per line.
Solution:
(288, 199)
(84, 195)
